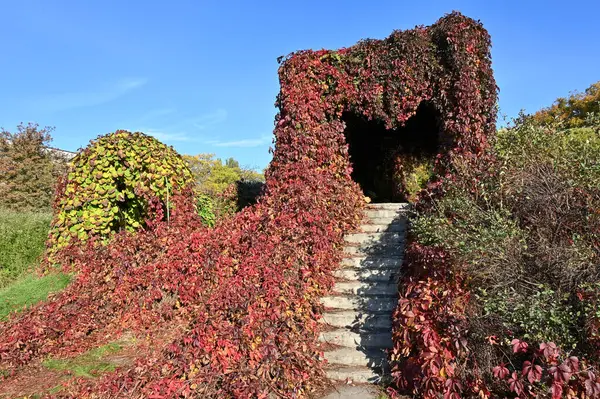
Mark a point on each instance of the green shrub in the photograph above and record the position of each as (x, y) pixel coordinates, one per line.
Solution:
(22, 237)
(572, 153)
(572, 111)
(542, 315)
(205, 210)
(110, 185)
(228, 186)
(484, 240)
(213, 176)
(416, 173)
(525, 235)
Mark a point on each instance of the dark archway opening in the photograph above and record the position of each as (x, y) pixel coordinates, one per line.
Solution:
(382, 158)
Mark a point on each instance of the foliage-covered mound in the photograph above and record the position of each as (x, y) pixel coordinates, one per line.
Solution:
(109, 185)
(243, 298)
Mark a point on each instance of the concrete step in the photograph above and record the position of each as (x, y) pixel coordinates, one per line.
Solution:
(368, 339)
(359, 375)
(383, 228)
(373, 262)
(353, 357)
(355, 392)
(396, 219)
(389, 205)
(400, 218)
(357, 319)
(366, 274)
(365, 288)
(384, 213)
(382, 250)
(372, 238)
(370, 304)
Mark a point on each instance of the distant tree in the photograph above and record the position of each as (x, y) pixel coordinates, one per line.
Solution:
(574, 111)
(214, 177)
(232, 163)
(200, 165)
(28, 168)
(228, 185)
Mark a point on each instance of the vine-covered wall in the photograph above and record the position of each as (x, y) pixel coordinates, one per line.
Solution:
(446, 66)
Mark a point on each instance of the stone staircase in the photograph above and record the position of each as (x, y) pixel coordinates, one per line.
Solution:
(358, 327)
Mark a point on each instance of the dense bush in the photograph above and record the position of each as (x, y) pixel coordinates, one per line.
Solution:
(28, 169)
(525, 241)
(22, 238)
(109, 185)
(242, 300)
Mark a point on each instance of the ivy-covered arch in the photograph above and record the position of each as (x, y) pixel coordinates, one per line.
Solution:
(446, 66)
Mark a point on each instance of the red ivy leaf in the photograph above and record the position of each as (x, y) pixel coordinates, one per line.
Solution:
(519, 346)
(515, 384)
(556, 390)
(500, 372)
(549, 349)
(532, 371)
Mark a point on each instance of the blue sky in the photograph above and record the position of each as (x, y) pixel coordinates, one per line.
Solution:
(202, 75)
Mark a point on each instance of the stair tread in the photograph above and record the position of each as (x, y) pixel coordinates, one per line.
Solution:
(369, 339)
(364, 288)
(383, 304)
(386, 251)
(372, 262)
(353, 357)
(356, 319)
(357, 374)
(361, 274)
(388, 205)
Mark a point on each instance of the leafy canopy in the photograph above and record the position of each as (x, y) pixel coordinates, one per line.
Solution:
(578, 110)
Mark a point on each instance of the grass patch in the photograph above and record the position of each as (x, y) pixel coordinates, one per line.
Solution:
(88, 364)
(29, 290)
(22, 242)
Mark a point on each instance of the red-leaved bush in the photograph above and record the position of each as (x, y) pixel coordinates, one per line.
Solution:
(244, 297)
(547, 371)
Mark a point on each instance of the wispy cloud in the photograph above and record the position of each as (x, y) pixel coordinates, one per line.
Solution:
(168, 125)
(207, 120)
(192, 129)
(243, 143)
(71, 100)
(154, 114)
(168, 137)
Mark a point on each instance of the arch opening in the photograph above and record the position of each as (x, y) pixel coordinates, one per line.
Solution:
(391, 165)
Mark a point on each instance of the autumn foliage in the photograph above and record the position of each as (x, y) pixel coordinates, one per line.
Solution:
(577, 110)
(243, 298)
